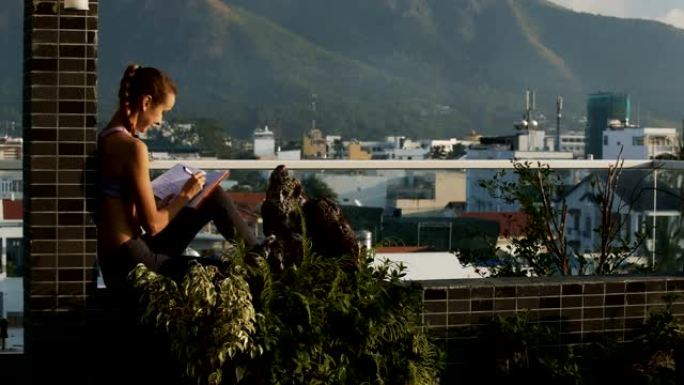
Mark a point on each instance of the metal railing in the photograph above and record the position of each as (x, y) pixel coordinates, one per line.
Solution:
(431, 164)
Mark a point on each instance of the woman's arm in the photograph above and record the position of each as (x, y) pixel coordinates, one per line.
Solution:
(154, 219)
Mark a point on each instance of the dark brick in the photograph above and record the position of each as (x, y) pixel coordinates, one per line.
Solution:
(75, 22)
(615, 299)
(592, 312)
(615, 287)
(655, 286)
(614, 312)
(549, 302)
(45, 23)
(574, 301)
(592, 326)
(548, 290)
(435, 319)
(636, 299)
(528, 303)
(430, 294)
(504, 304)
(675, 285)
(459, 319)
(482, 305)
(432, 306)
(505, 292)
(633, 287)
(528, 291)
(572, 289)
(593, 300)
(482, 292)
(70, 275)
(571, 313)
(635, 311)
(594, 288)
(459, 293)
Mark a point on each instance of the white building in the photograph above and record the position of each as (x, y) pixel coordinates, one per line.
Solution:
(633, 206)
(571, 141)
(478, 198)
(640, 142)
(264, 143)
(360, 190)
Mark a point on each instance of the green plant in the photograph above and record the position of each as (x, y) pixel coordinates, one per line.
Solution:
(209, 317)
(312, 323)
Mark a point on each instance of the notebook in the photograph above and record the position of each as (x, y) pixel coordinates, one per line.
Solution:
(172, 181)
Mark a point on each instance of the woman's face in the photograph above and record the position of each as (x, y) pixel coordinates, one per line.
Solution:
(152, 112)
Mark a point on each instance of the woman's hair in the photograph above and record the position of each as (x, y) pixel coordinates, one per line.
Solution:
(138, 81)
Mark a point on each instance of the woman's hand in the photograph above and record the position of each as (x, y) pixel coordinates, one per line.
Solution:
(194, 185)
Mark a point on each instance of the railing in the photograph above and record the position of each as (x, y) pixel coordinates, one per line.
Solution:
(415, 164)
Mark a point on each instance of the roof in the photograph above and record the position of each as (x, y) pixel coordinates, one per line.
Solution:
(510, 223)
(12, 209)
(248, 200)
(635, 187)
(429, 265)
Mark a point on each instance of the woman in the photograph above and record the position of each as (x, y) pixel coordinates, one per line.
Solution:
(127, 203)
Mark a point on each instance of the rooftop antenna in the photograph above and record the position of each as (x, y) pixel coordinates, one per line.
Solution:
(559, 115)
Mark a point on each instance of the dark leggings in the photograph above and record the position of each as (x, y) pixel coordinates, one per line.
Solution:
(163, 252)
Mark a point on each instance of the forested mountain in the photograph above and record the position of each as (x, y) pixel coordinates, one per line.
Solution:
(415, 67)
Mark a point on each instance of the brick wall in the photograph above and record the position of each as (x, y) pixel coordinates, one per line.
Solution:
(580, 309)
(59, 119)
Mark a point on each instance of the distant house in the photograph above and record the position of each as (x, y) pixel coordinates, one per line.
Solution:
(511, 226)
(633, 206)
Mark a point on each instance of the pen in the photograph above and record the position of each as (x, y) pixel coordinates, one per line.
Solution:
(187, 170)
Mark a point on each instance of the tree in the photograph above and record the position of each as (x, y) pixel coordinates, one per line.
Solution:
(316, 188)
(544, 248)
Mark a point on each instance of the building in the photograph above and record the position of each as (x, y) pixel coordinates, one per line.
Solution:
(640, 142)
(10, 148)
(314, 145)
(573, 142)
(633, 208)
(355, 152)
(603, 107)
(506, 147)
(511, 227)
(264, 143)
(449, 189)
(357, 190)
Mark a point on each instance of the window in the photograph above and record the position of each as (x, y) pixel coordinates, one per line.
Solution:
(605, 140)
(637, 141)
(587, 227)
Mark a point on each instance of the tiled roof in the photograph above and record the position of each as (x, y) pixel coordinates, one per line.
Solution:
(12, 209)
(248, 200)
(511, 224)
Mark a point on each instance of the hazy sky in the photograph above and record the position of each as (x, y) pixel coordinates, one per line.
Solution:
(668, 11)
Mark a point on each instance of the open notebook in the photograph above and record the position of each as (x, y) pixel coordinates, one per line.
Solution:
(172, 181)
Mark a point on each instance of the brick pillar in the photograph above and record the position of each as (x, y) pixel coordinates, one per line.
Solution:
(59, 119)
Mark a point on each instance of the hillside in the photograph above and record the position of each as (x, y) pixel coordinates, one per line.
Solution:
(417, 67)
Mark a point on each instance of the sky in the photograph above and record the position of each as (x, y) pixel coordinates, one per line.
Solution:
(667, 11)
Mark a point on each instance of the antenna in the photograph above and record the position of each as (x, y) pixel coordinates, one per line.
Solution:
(559, 115)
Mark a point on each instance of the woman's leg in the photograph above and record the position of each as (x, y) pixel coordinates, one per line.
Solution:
(217, 207)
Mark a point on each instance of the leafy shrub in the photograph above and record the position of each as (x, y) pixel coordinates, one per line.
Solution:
(313, 323)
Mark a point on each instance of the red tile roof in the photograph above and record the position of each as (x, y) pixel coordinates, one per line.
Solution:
(511, 224)
(248, 200)
(12, 209)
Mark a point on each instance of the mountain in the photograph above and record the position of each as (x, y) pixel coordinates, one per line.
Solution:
(375, 67)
